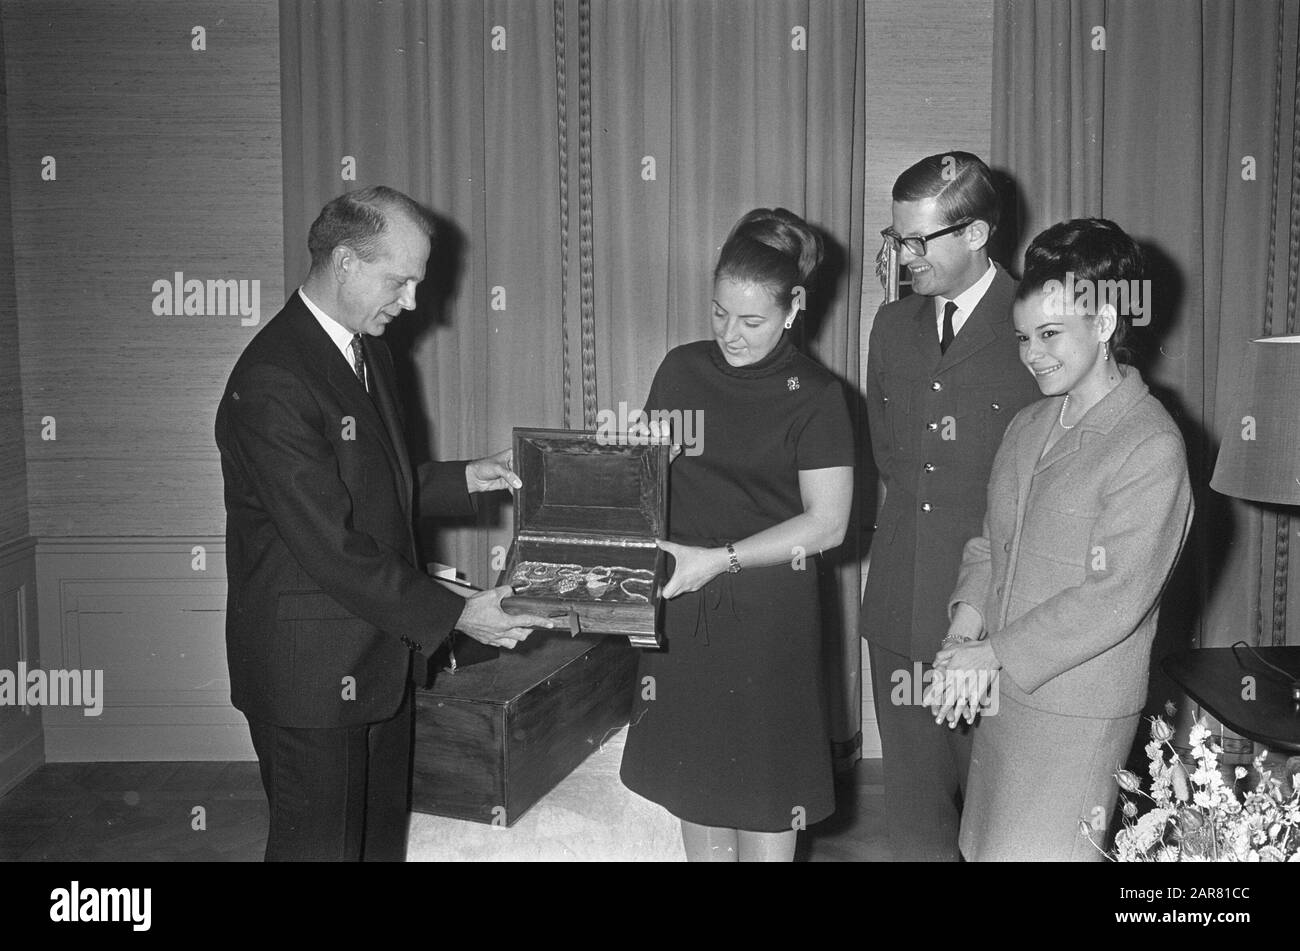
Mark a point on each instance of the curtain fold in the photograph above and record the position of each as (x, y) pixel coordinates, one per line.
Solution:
(706, 111)
(586, 161)
(1182, 130)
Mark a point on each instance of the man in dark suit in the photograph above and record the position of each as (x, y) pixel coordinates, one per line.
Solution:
(326, 598)
(944, 379)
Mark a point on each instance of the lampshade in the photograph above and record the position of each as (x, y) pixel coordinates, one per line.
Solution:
(1259, 458)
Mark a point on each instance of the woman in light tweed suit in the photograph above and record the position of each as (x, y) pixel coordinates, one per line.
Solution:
(1088, 507)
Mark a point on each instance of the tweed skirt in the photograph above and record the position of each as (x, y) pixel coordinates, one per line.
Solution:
(1033, 776)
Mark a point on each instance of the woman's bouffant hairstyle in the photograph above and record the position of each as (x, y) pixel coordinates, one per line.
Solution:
(772, 247)
(359, 219)
(1094, 250)
(959, 182)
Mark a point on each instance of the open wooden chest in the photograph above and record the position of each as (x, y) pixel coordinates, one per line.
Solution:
(586, 519)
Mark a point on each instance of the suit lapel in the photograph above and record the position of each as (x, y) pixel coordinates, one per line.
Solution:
(384, 390)
(924, 335)
(1028, 449)
(1101, 418)
(982, 327)
(980, 330)
(340, 376)
(1069, 443)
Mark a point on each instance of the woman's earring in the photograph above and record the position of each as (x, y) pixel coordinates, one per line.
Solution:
(789, 323)
(1105, 351)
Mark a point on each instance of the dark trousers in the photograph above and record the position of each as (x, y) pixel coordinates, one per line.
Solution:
(337, 795)
(925, 764)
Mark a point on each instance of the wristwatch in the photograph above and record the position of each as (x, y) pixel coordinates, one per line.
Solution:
(734, 563)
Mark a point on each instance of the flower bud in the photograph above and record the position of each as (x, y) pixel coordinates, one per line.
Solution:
(1160, 730)
(1178, 779)
(1128, 781)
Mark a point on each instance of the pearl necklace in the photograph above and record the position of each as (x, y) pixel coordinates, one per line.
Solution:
(1061, 417)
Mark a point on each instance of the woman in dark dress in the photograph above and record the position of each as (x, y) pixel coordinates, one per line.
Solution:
(729, 728)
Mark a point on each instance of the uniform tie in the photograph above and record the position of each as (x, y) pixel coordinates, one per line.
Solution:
(949, 309)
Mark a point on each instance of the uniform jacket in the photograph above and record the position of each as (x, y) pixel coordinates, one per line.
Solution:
(1076, 549)
(936, 421)
(320, 553)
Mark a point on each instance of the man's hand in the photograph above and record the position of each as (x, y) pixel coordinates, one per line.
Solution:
(492, 473)
(485, 621)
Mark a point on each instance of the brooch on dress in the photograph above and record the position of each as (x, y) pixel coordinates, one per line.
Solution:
(792, 383)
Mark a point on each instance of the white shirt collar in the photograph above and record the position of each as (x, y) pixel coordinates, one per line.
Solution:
(969, 299)
(341, 336)
(966, 301)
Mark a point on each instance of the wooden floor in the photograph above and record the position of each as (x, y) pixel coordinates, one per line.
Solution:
(147, 812)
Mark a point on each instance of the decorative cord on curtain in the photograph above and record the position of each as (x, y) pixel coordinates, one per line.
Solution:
(685, 116)
(1285, 87)
(1176, 121)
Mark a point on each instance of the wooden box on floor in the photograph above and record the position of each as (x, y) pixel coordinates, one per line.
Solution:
(493, 738)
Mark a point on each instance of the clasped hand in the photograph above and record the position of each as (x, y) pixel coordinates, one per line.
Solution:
(965, 674)
(488, 623)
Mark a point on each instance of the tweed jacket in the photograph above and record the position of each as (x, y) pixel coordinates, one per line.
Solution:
(1076, 550)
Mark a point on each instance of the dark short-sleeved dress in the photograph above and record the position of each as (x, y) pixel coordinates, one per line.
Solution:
(731, 730)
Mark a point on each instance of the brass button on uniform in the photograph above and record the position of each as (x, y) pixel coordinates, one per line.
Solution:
(928, 467)
(932, 426)
(1007, 547)
(936, 386)
(996, 407)
(926, 507)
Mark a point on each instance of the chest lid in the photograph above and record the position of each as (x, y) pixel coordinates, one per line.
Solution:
(591, 485)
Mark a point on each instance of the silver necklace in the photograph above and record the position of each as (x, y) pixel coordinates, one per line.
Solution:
(1061, 416)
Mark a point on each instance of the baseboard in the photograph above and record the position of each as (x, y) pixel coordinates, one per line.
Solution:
(150, 743)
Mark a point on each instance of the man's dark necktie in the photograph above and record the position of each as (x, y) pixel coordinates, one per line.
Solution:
(949, 309)
(359, 361)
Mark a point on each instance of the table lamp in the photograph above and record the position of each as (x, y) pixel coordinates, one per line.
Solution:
(1259, 459)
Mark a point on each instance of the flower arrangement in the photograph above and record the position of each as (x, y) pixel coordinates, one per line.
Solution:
(1197, 816)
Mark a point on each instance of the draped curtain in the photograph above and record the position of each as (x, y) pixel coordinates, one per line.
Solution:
(1177, 120)
(585, 161)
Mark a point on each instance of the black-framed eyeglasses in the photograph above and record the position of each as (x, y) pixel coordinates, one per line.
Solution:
(918, 244)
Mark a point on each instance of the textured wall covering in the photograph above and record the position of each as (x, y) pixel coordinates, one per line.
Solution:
(13, 456)
(166, 159)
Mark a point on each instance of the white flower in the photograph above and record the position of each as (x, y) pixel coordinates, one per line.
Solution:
(1240, 772)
